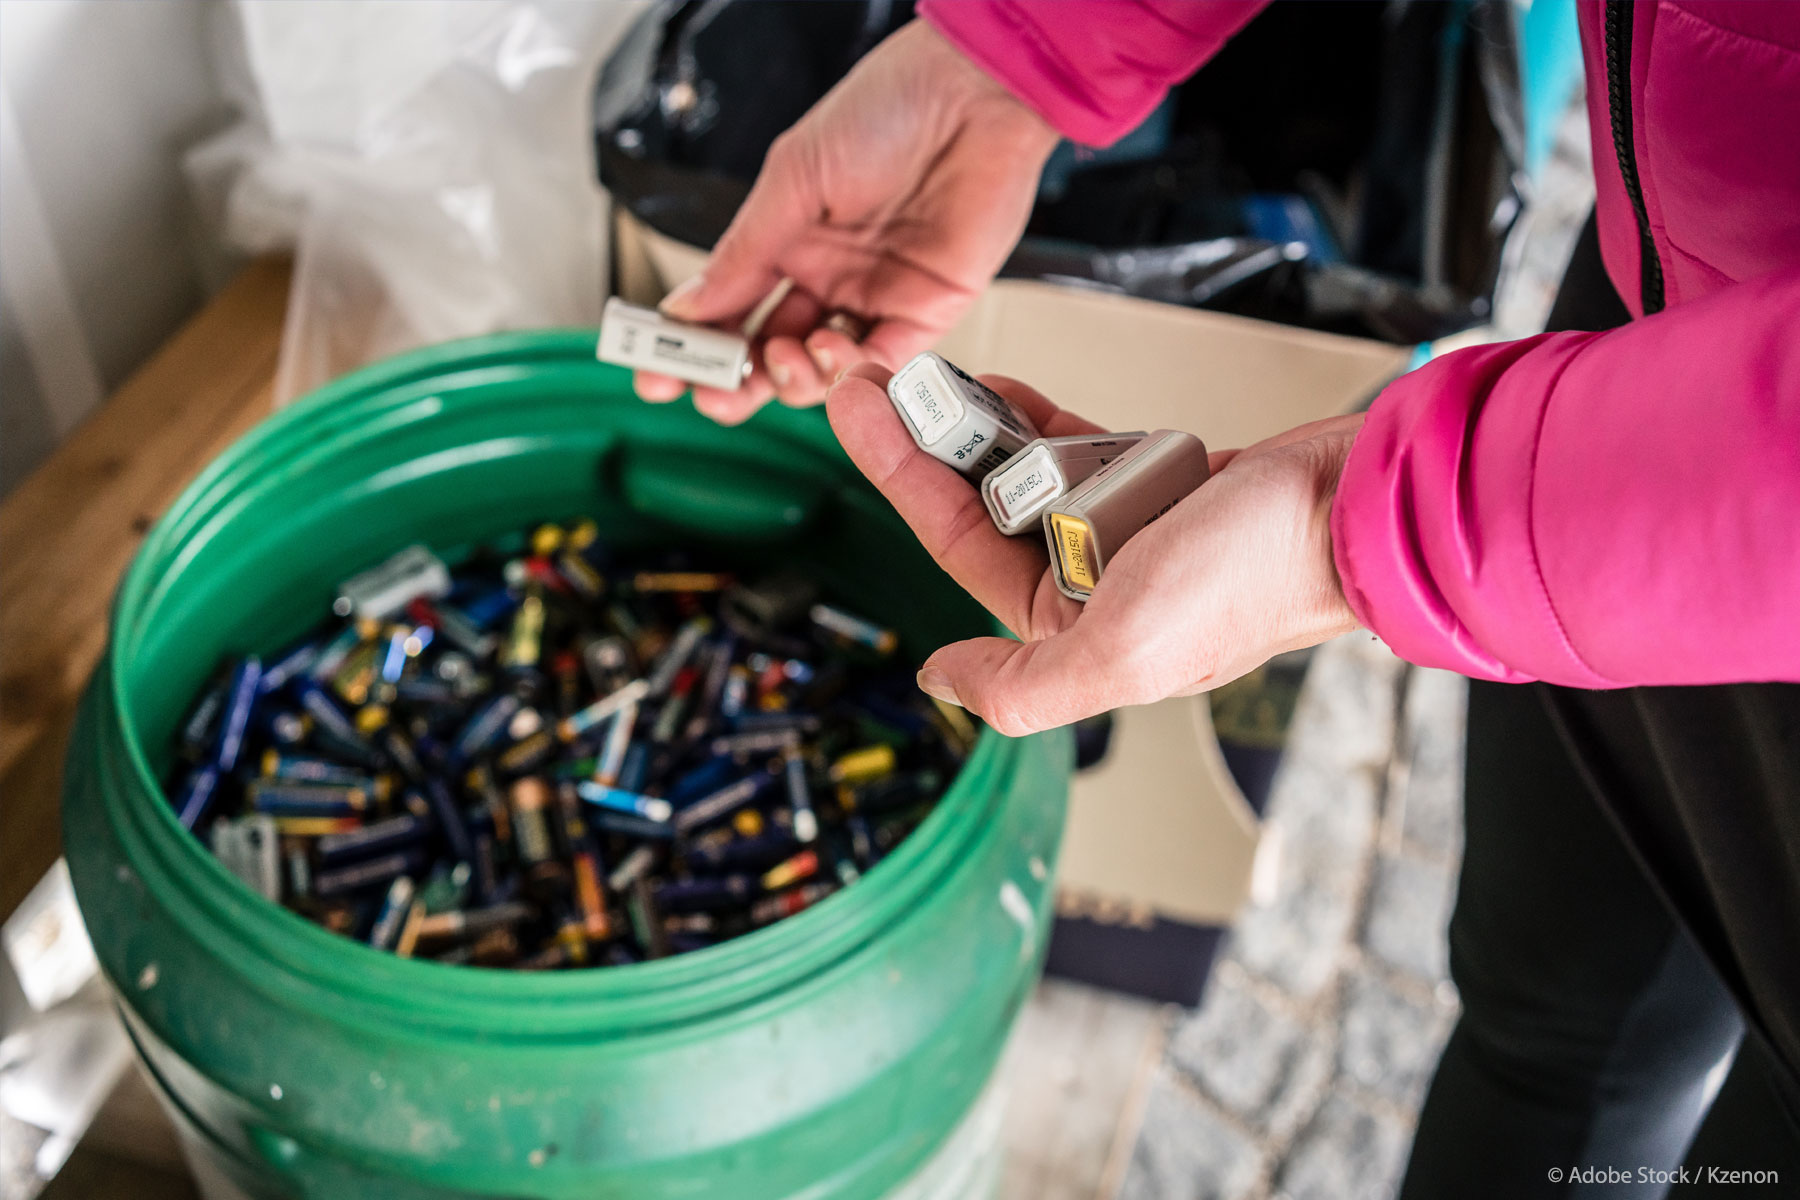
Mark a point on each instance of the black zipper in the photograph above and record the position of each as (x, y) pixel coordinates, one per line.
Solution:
(1618, 96)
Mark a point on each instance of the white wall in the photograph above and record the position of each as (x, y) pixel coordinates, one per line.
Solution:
(100, 249)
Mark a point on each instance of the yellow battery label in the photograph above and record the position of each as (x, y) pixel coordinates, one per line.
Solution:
(680, 581)
(864, 765)
(1074, 549)
(315, 826)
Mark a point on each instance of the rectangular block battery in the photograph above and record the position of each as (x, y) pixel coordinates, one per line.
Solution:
(645, 340)
(385, 589)
(956, 419)
(1087, 527)
(1018, 490)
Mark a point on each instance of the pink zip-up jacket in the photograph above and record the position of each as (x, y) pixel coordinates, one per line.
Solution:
(1590, 509)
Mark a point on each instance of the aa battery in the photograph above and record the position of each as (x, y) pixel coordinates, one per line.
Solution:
(955, 418)
(1086, 527)
(645, 340)
(1019, 489)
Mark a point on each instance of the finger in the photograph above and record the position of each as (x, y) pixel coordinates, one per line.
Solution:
(658, 389)
(783, 358)
(804, 370)
(945, 513)
(895, 340)
(832, 353)
(792, 371)
(1024, 687)
(729, 408)
(743, 269)
(735, 405)
(795, 312)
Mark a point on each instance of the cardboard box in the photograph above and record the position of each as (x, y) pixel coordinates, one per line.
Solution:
(1162, 847)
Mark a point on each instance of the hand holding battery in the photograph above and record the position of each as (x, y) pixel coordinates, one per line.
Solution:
(1238, 571)
(895, 199)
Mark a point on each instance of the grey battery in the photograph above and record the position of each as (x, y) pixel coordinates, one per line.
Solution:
(250, 848)
(1019, 489)
(955, 418)
(381, 591)
(645, 340)
(1086, 527)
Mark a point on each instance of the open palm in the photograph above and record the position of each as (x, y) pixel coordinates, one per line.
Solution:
(1237, 572)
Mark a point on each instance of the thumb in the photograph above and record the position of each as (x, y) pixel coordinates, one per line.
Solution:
(743, 267)
(1024, 687)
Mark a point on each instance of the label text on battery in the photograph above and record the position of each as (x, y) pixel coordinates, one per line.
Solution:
(933, 411)
(1072, 550)
(1029, 484)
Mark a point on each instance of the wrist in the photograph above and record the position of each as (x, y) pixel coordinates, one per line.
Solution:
(954, 75)
(1336, 613)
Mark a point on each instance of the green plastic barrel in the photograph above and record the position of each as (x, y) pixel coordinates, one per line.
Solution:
(827, 1056)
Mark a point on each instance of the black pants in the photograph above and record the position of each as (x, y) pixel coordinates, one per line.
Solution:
(1628, 912)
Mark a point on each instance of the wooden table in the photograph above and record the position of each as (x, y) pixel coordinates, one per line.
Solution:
(69, 530)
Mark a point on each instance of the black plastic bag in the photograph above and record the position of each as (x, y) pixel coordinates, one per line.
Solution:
(1342, 166)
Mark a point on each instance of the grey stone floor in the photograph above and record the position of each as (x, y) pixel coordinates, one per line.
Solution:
(1301, 1073)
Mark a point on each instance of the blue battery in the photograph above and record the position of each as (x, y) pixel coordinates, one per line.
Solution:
(289, 665)
(393, 663)
(200, 731)
(301, 768)
(653, 808)
(630, 825)
(484, 729)
(443, 806)
(704, 895)
(742, 853)
(196, 795)
(710, 775)
(487, 609)
(332, 723)
(395, 833)
(723, 802)
(240, 702)
(636, 767)
(279, 798)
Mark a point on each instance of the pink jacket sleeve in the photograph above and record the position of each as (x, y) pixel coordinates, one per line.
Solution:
(1093, 69)
(1596, 510)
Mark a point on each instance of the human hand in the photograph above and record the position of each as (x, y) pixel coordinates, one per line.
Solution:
(1236, 573)
(894, 200)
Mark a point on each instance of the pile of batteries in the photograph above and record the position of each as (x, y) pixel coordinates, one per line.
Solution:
(553, 758)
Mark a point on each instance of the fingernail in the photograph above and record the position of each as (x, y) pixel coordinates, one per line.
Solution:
(779, 372)
(934, 682)
(822, 358)
(678, 302)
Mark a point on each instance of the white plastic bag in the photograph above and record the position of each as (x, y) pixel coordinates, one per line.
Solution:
(429, 162)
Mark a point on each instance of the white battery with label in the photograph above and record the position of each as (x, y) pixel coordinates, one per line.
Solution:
(1018, 490)
(645, 340)
(384, 589)
(957, 419)
(1088, 526)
